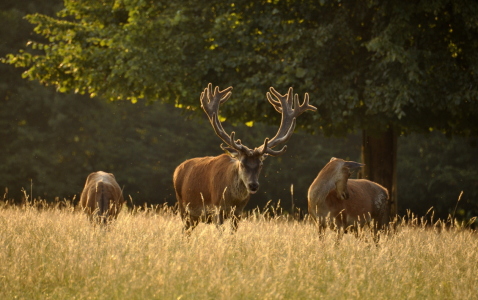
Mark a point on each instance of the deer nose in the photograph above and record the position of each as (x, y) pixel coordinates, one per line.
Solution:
(253, 187)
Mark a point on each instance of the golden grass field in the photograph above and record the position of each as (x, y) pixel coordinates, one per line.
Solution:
(58, 254)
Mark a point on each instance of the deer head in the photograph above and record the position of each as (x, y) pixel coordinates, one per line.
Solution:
(251, 159)
(342, 171)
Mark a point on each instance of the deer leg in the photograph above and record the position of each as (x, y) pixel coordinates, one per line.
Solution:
(355, 228)
(376, 232)
(340, 229)
(190, 223)
(235, 222)
(339, 234)
(220, 220)
(322, 226)
(219, 217)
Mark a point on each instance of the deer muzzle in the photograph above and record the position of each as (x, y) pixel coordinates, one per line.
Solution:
(253, 187)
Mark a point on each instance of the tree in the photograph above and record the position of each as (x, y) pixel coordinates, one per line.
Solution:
(51, 141)
(438, 169)
(388, 68)
(14, 31)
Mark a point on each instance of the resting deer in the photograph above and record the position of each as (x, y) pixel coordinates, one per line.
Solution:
(222, 185)
(102, 198)
(339, 202)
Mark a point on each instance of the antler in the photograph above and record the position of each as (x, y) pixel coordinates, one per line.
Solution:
(290, 110)
(210, 102)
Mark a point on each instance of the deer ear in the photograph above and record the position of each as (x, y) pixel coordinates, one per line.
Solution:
(353, 166)
(231, 151)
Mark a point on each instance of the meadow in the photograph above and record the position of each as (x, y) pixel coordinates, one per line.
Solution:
(58, 254)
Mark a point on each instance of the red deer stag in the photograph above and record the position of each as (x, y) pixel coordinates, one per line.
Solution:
(337, 201)
(102, 198)
(221, 185)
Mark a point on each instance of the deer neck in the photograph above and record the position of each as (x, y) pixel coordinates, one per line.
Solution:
(237, 189)
(324, 185)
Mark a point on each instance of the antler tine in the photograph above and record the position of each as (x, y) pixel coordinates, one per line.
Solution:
(271, 152)
(287, 119)
(304, 106)
(290, 108)
(290, 95)
(275, 103)
(210, 102)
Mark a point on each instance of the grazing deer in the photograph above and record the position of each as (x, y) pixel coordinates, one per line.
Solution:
(221, 185)
(338, 202)
(102, 198)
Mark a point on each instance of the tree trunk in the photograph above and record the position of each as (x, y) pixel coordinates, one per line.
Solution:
(379, 154)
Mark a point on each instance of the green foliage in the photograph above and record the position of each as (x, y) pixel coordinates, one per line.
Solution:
(366, 64)
(121, 50)
(52, 141)
(58, 140)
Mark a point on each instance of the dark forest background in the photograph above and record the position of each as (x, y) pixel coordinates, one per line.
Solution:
(51, 141)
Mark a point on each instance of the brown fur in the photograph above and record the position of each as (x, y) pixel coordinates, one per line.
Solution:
(336, 201)
(102, 198)
(207, 186)
(221, 185)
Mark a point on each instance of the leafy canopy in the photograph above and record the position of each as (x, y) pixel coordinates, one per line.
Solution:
(366, 64)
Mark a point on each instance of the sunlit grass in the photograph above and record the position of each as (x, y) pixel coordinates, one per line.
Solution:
(57, 254)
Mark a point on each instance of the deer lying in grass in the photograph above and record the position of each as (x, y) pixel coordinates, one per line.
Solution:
(221, 185)
(339, 202)
(102, 198)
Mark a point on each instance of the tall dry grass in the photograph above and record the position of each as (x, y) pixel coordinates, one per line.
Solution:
(57, 254)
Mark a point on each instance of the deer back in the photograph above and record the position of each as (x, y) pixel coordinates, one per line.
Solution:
(367, 200)
(374, 196)
(101, 192)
